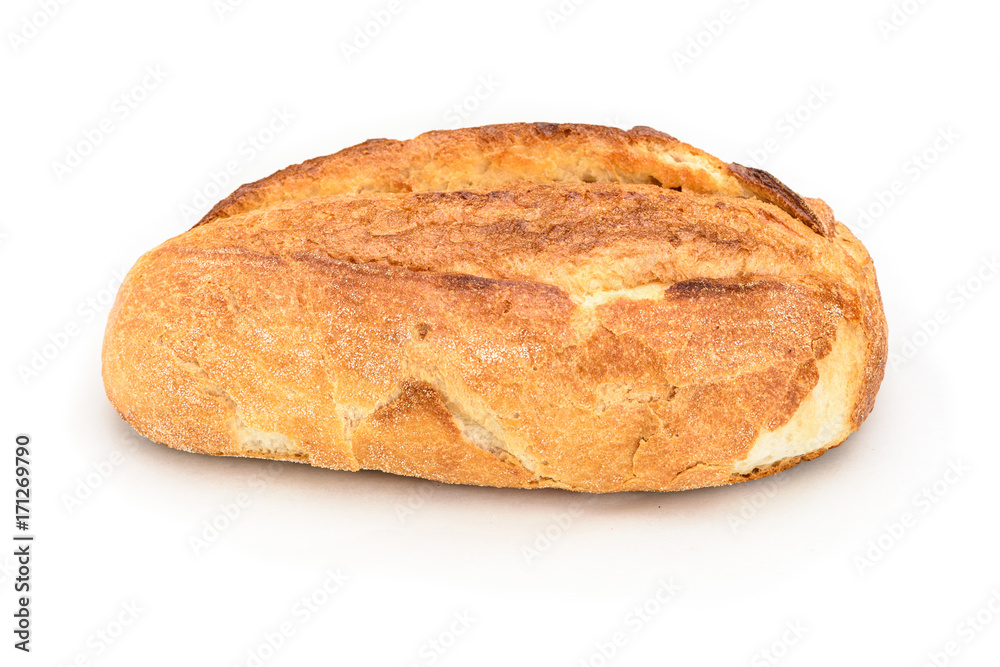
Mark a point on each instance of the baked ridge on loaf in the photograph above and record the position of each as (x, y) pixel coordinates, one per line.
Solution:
(522, 305)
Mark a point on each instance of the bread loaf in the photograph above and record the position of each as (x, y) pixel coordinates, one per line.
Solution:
(526, 305)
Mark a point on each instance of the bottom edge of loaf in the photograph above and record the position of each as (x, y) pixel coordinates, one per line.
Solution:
(547, 483)
(781, 465)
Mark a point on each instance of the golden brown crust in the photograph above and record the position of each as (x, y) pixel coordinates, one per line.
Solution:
(526, 330)
(492, 155)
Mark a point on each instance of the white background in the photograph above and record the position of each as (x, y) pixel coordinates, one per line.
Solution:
(541, 577)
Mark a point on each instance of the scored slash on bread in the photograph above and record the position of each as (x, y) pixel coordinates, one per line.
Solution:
(528, 305)
(539, 153)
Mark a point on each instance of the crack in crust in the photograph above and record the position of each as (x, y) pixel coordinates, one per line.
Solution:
(484, 433)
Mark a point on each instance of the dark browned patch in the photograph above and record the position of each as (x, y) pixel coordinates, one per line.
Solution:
(464, 281)
(770, 189)
(646, 131)
(547, 129)
(822, 346)
(693, 288)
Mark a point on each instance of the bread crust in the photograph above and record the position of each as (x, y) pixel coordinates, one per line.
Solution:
(492, 155)
(523, 305)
